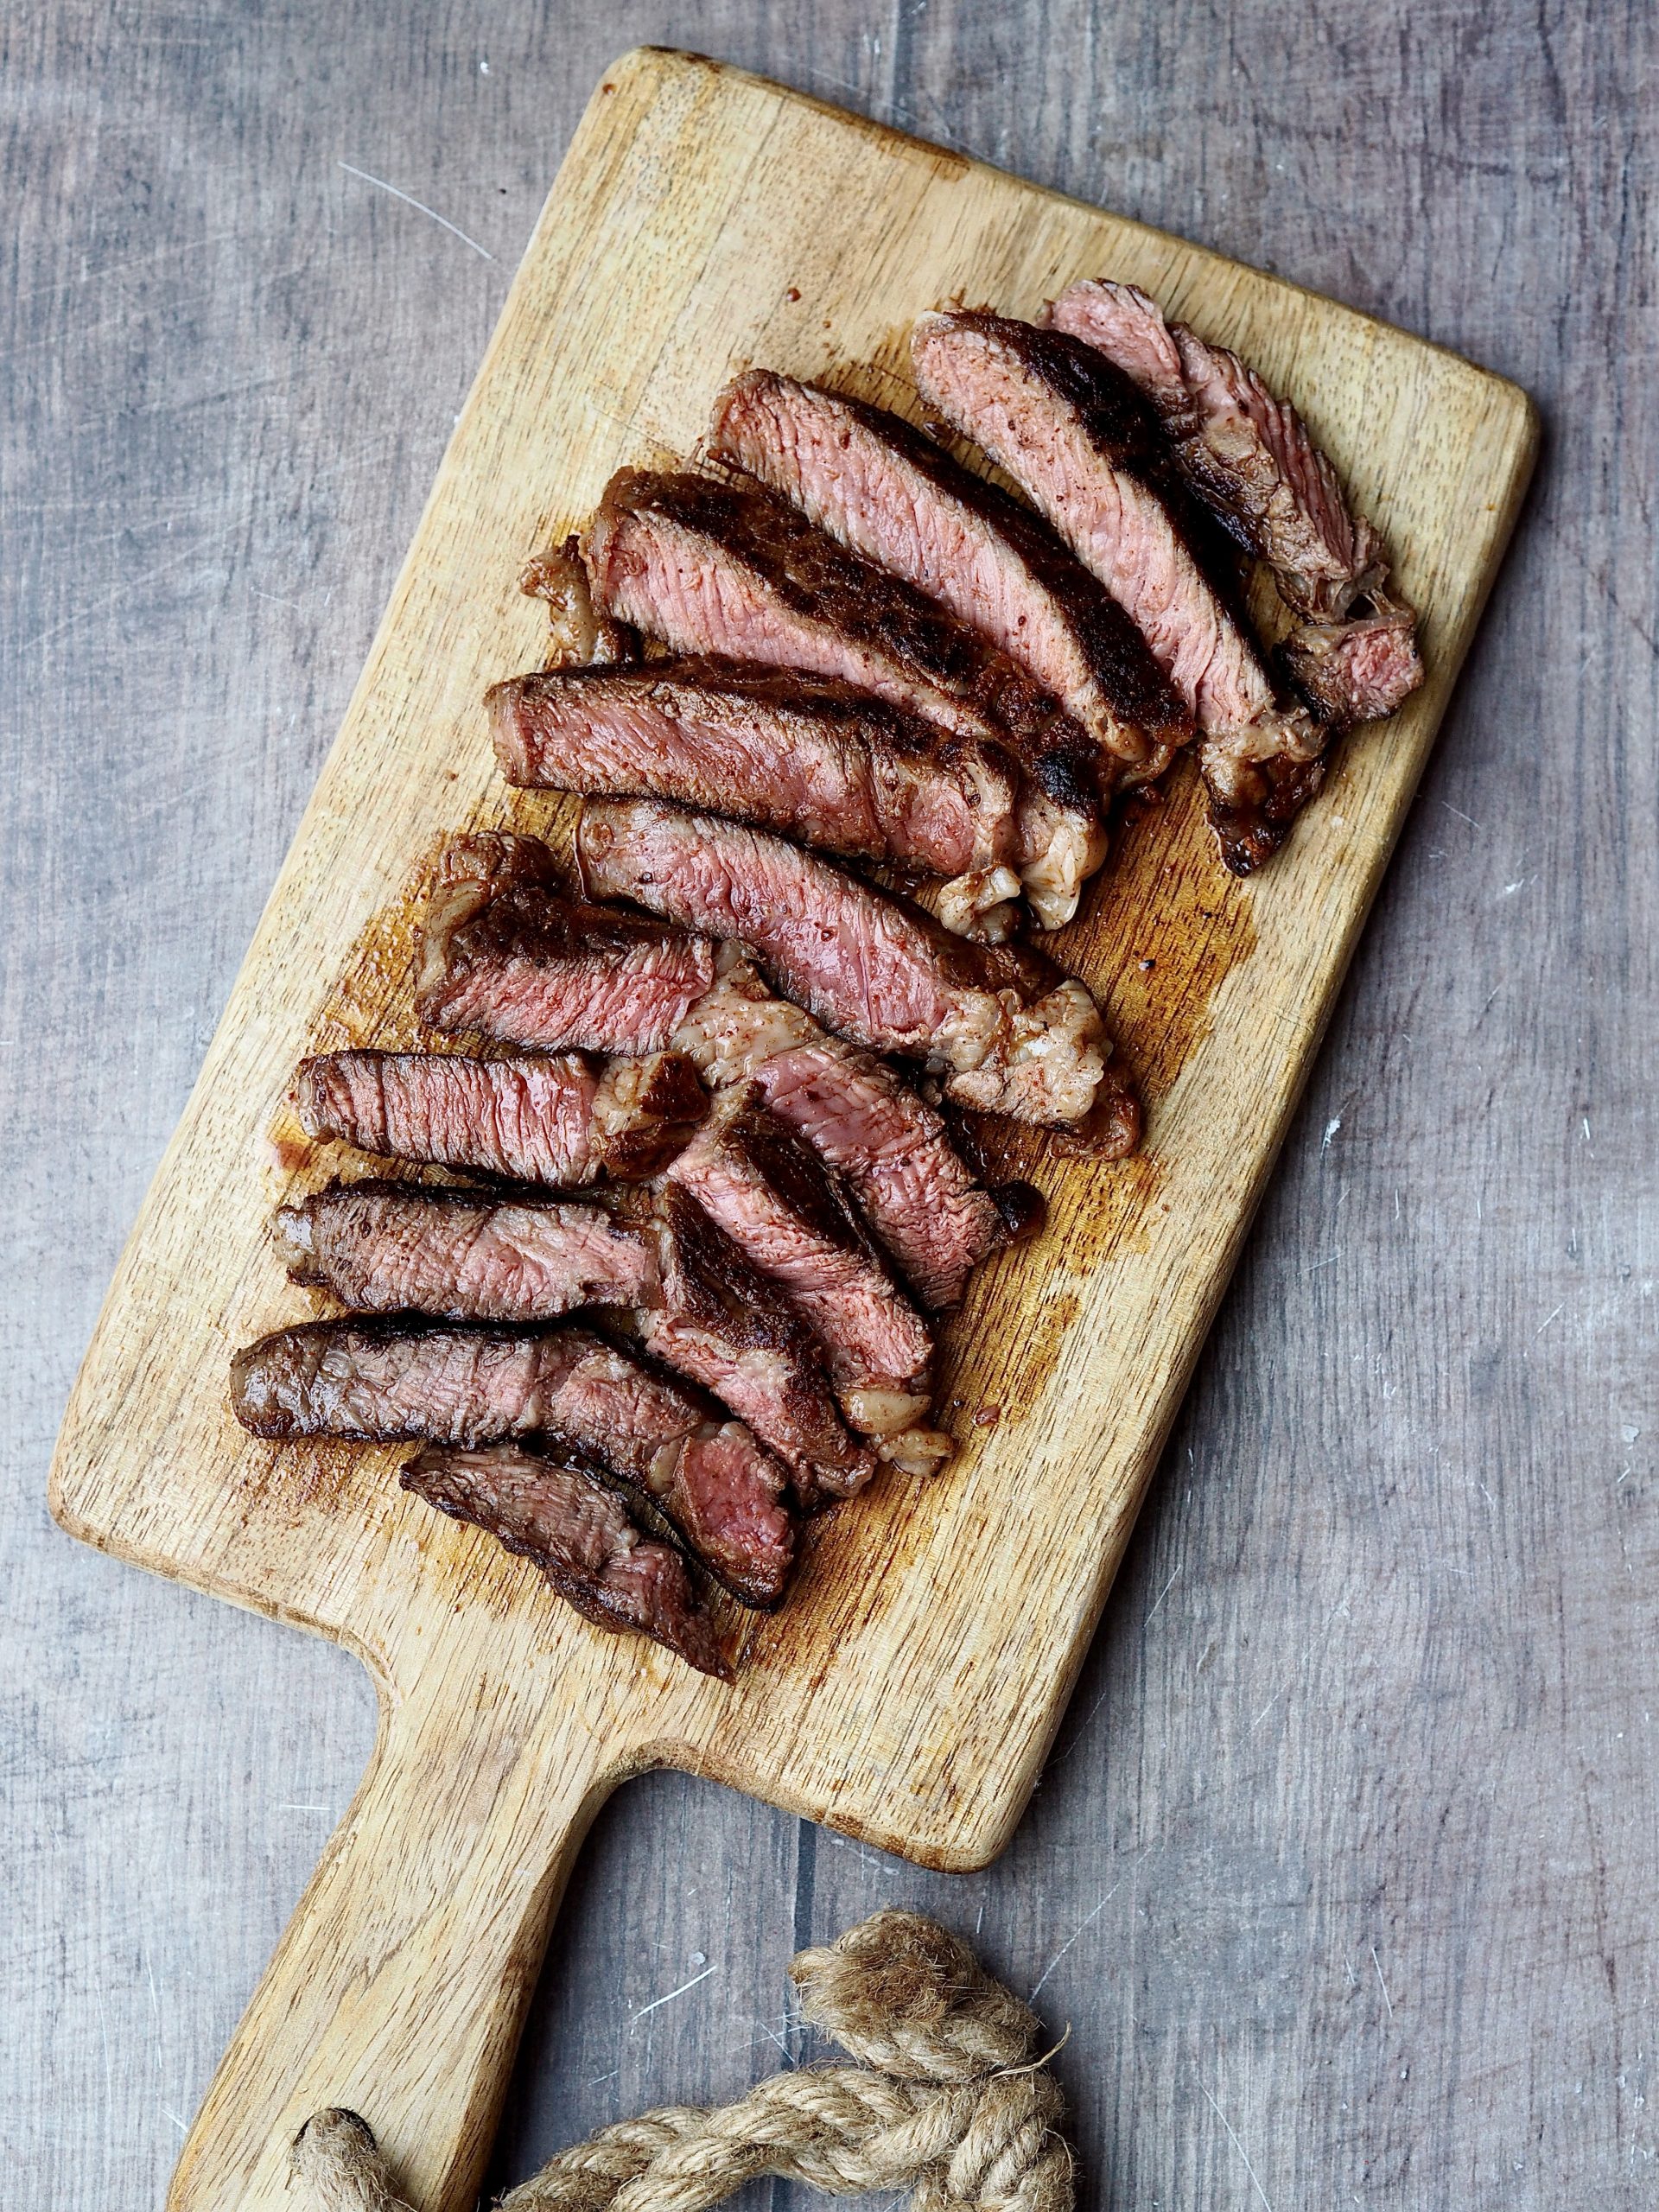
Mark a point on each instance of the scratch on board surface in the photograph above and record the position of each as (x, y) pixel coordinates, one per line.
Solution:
(1255, 2179)
(410, 200)
(668, 1998)
(1380, 1984)
(1081, 1927)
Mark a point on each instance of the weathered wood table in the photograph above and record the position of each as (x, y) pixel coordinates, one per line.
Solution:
(1344, 1867)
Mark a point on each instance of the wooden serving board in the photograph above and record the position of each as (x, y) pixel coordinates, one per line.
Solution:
(703, 220)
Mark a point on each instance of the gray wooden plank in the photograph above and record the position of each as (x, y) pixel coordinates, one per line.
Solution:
(1341, 1870)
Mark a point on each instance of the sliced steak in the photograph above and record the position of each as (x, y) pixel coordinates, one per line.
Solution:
(1247, 455)
(1007, 1032)
(886, 491)
(1357, 669)
(934, 1220)
(393, 1381)
(774, 1196)
(712, 568)
(579, 636)
(720, 1321)
(581, 1536)
(837, 767)
(1076, 433)
(551, 1119)
(507, 953)
(464, 1255)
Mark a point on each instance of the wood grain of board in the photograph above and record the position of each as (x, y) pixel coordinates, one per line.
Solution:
(705, 220)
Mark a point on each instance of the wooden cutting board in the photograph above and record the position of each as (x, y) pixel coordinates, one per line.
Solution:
(703, 220)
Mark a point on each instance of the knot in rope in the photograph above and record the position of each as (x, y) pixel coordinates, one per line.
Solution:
(949, 2099)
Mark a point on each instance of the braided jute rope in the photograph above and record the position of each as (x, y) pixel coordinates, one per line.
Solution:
(950, 2097)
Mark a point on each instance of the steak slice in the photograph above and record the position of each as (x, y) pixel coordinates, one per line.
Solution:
(508, 954)
(836, 767)
(1247, 455)
(550, 1118)
(934, 1219)
(882, 489)
(394, 1381)
(720, 1321)
(1076, 433)
(1359, 669)
(1009, 1033)
(712, 568)
(581, 1536)
(465, 1255)
(772, 1195)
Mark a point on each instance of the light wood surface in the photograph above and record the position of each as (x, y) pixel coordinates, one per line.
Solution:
(906, 1694)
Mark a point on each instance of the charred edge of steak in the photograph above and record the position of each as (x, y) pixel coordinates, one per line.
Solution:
(728, 1327)
(582, 1537)
(472, 872)
(839, 766)
(1132, 686)
(462, 1255)
(580, 637)
(1254, 805)
(1023, 1208)
(646, 1110)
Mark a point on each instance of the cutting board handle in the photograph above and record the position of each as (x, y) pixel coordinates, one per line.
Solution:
(400, 1987)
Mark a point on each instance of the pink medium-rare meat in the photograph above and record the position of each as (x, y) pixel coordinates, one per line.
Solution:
(1006, 1031)
(709, 567)
(550, 1118)
(1076, 433)
(462, 1255)
(580, 1535)
(720, 1321)
(887, 492)
(1247, 455)
(390, 1379)
(508, 953)
(836, 767)
(1358, 669)
(934, 1220)
(773, 1196)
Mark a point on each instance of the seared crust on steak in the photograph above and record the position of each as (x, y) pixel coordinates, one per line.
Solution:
(1009, 1033)
(881, 487)
(390, 1379)
(507, 953)
(711, 568)
(1077, 434)
(836, 767)
(581, 1536)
